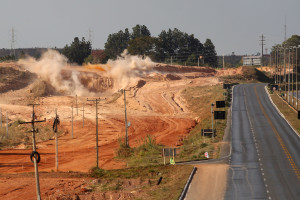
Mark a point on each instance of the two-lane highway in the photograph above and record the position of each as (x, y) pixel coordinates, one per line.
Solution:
(265, 157)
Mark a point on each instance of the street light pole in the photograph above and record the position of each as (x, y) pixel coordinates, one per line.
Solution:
(297, 78)
(284, 72)
(289, 76)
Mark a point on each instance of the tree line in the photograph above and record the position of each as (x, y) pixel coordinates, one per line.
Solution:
(174, 45)
(169, 46)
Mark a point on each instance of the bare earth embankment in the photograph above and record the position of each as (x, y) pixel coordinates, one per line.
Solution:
(154, 106)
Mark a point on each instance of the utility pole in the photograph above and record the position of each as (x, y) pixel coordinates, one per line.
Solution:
(12, 45)
(76, 105)
(1, 117)
(126, 124)
(6, 125)
(212, 119)
(276, 64)
(72, 122)
(293, 56)
(284, 28)
(223, 62)
(284, 70)
(90, 35)
(35, 154)
(262, 48)
(289, 76)
(97, 156)
(83, 115)
(297, 78)
(55, 123)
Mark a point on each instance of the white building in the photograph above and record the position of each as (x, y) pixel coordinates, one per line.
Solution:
(251, 60)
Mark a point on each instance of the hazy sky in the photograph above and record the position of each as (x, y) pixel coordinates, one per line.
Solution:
(232, 25)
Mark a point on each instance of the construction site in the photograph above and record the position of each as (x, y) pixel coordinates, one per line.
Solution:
(155, 106)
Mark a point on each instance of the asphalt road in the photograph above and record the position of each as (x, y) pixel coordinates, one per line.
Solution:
(265, 158)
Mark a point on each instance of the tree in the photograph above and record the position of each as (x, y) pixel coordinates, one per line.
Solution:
(177, 44)
(141, 45)
(210, 54)
(78, 50)
(117, 43)
(140, 31)
(294, 40)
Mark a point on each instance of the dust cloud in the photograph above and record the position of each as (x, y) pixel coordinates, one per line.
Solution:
(52, 67)
(127, 68)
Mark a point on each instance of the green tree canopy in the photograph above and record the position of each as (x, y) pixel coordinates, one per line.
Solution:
(210, 54)
(141, 45)
(117, 43)
(140, 31)
(177, 44)
(293, 41)
(78, 50)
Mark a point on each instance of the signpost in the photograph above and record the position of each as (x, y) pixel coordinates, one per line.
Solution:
(169, 152)
(219, 114)
(220, 104)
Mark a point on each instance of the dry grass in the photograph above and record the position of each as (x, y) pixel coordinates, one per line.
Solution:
(287, 111)
(146, 178)
(21, 134)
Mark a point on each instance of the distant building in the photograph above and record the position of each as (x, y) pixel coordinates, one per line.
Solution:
(251, 60)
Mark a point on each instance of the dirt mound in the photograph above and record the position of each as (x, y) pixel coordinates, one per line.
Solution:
(172, 77)
(141, 83)
(183, 69)
(14, 79)
(42, 89)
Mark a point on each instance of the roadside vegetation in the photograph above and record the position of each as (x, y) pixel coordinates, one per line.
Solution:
(20, 134)
(199, 100)
(287, 111)
(151, 182)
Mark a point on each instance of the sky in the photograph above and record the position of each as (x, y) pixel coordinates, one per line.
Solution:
(232, 25)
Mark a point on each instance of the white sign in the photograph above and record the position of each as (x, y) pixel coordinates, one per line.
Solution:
(206, 155)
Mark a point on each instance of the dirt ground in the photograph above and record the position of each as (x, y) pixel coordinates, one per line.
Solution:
(154, 106)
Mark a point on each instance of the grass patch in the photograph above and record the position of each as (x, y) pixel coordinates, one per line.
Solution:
(287, 111)
(148, 152)
(21, 134)
(144, 180)
(199, 100)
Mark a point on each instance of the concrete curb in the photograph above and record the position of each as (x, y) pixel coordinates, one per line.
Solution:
(187, 185)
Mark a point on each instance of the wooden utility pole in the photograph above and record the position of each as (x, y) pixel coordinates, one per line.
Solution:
(76, 105)
(55, 123)
(6, 125)
(72, 122)
(97, 152)
(1, 117)
(83, 115)
(35, 155)
(126, 124)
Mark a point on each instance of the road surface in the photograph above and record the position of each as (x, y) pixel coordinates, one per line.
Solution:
(265, 157)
